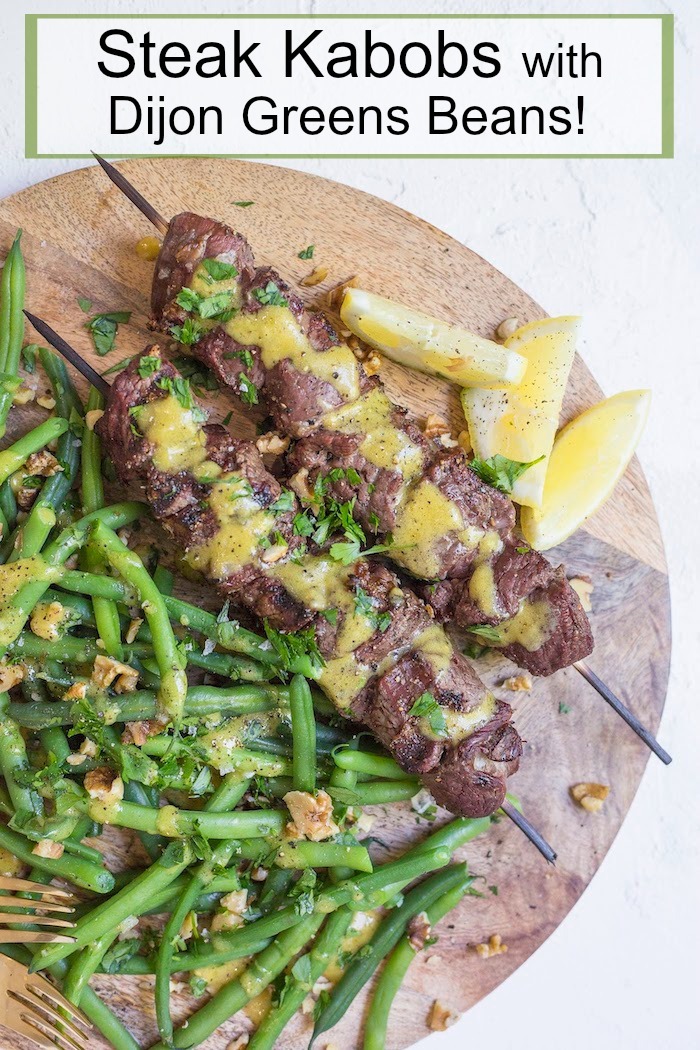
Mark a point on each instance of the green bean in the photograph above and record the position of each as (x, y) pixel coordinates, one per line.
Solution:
(178, 823)
(12, 328)
(229, 793)
(323, 855)
(13, 761)
(14, 457)
(163, 579)
(49, 568)
(106, 614)
(8, 503)
(140, 795)
(396, 967)
(275, 888)
(323, 953)
(68, 649)
(366, 762)
(173, 680)
(202, 875)
(345, 779)
(386, 937)
(303, 735)
(83, 873)
(377, 792)
(84, 965)
(55, 742)
(132, 900)
(268, 965)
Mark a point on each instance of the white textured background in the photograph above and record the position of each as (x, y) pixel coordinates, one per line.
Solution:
(616, 241)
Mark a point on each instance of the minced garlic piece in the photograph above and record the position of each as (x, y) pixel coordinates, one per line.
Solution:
(494, 946)
(590, 796)
(312, 815)
(47, 402)
(507, 328)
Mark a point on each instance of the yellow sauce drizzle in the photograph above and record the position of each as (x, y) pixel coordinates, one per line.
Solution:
(178, 439)
(13, 577)
(280, 337)
(385, 445)
(531, 626)
(242, 525)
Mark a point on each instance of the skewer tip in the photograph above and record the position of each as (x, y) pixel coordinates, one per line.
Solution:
(530, 832)
(604, 690)
(67, 351)
(129, 191)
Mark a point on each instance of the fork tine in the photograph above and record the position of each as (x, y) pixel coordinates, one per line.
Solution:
(39, 1024)
(12, 884)
(41, 986)
(37, 1000)
(20, 902)
(20, 1026)
(17, 918)
(33, 937)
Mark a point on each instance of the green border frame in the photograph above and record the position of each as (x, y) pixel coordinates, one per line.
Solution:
(667, 90)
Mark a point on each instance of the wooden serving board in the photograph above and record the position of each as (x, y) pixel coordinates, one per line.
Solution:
(79, 238)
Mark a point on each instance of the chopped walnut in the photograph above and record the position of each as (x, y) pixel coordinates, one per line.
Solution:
(259, 874)
(418, 931)
(25, 497)
(507, 328)
(88, 748)
(189, 925)
(590, 796)
(76, 759)
(234, 905)
(583, 586)
(240, 1042)
(299, 482)
(518, 683)
(312, 815)
(23, 395)
(48, 849)
(78, 691)
(494, 946)
(441, 1017)
(105, 670)
(372, 364)
(127, 928)
(317, 275)
(139, 732)
(272, 444)
(274, 553)
(335, 296)
(46, 401)
(11, 675)
(104, 785)
(46, 620)
(366, 822)
(435, 425)
(132, 630)
(92, 417)
(42, 464)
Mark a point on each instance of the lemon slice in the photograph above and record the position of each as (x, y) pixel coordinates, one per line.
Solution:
(589, 457)
(418, 341)
(521, 422)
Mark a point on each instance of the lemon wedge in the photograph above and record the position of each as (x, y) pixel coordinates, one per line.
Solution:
(589, 457)
(418, 341)
(520, 423)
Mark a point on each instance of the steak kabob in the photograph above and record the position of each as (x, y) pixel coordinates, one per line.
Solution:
(383, 660)
(448, 528)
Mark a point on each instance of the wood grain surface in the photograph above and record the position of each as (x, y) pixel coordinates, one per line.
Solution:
(79, 238)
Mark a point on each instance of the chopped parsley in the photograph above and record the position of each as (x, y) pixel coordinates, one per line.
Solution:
(227, 419)
(270, 295)
(243, 355)
(308, 252)
(295, 646)
(500, 472)
(216, 307)
(199, 376)
(219, 271)
(522, 550)
(489, 634)
(29, 358)
(284, 503)
(103, 329)
(247, 389)
(243, 204)
(349, 552)
(148, 365)
(426, 706)
(331, 615)
(563, 708)
(365, 606)
(188, 333)
(85, 304)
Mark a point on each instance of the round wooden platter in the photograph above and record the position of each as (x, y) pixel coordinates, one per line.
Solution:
(79, 238)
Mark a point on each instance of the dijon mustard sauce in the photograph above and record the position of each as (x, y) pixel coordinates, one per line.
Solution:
(531, 626)
(217, 976)
(243, 525)
(385, 445)
(177, 437)
(13, 577)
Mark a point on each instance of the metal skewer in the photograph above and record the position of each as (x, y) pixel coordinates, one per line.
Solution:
(133, 194)
(623, 711)
(86, 370)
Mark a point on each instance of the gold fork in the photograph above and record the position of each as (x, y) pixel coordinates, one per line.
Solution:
(18, 911)
(31, 1007)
